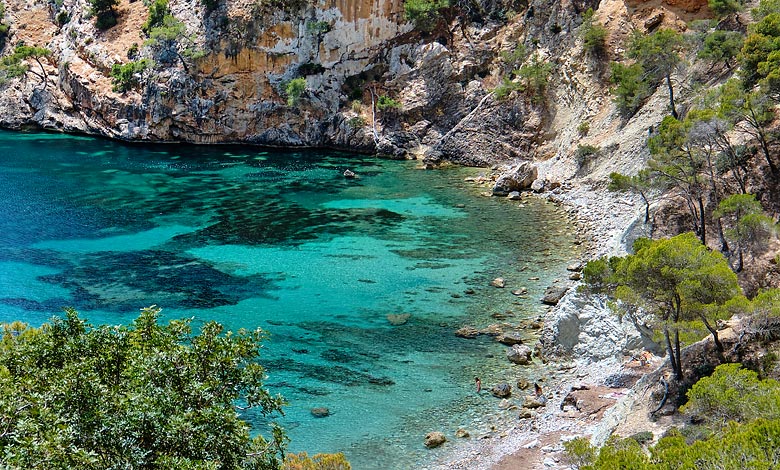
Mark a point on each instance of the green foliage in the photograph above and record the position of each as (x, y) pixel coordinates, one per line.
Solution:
(425, 14)
(761, 316)
(318, 27)
(677, 281)
(748, 226)
(384, 103)
(294, 89)
(170, 42)
(579, 453)
(630, 89)
(132, 52)
(759, 55)
(642, 437)
(506, 87)
(637, 184)
(753, 109)
(765, 8)
(658, 54)
(302, 461)
(594, 35)
(585, 153)
(721, 46)
(158, 11)
(62, 18)
(754, 445)
(13, 66)
(124, 77)
(535, 77)
(583, 128)
(514, 58)
(723, 8)
(622, 454)
(103, 10)
(356, 122)
(733, 393)
(139, 396)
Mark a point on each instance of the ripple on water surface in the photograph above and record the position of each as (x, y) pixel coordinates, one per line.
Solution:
(282, 241)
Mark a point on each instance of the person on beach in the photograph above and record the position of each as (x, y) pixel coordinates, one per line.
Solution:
(479, 384)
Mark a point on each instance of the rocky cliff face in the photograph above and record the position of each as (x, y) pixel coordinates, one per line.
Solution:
(350, 53)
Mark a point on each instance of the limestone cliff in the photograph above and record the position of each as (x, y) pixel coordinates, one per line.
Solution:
(350, 53)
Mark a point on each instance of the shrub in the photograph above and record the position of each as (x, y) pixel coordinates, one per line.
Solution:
(723, 8)
(294, 90)
(157, 13)
(356, 122)
(385, 102)
(356, 106)
(630, 89)
(579, 453)
(506, 87)
(721, 46)
(586, 153)
(145, 395)
(103, 10)
(132, 52)
(302, 461)
(594, 35)
(583, 128)
(535, 77)
(425, 14)
(128, 76)
(318, 27)
(62, 18)
(514, 58)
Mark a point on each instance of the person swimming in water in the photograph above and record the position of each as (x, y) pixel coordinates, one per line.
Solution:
(479, 384)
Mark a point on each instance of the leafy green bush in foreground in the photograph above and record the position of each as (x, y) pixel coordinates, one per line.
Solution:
(140, 396)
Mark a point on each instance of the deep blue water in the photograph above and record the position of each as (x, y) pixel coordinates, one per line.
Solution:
(281, 240)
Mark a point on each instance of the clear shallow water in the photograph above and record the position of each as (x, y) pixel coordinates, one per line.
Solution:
(280, 240)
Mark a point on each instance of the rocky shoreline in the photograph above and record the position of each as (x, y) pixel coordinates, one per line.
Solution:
(579, 392)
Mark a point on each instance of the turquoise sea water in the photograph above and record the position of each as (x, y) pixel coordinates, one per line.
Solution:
(282, 241)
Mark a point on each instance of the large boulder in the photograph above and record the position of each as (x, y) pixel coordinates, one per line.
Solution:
(519, 354)
(434, 439)
(467, 332)
(554, 294)
(510, 338)
(502, 390)
(518, 178)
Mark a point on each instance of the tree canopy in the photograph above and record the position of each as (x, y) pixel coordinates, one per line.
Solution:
(677, 281)
(146, 396)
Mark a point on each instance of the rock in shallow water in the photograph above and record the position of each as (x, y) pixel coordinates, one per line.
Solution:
(434, 439)
(502, 390)
(467, 332)
(519, 354)
(398, 319)
(498, 282)
(320, 412)
(518, 178)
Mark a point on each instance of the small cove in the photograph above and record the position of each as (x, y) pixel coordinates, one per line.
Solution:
(281, 240)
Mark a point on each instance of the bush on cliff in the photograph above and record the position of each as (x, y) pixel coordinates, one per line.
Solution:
(140, 396)
(125, 77)
(425, 14)
(294, 89)
(103, 10)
